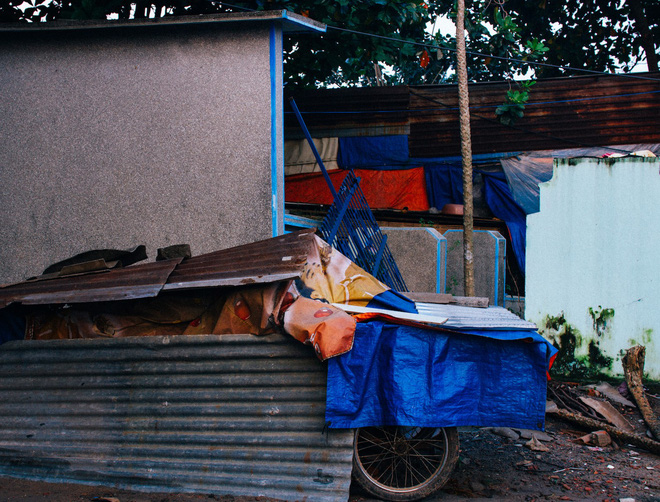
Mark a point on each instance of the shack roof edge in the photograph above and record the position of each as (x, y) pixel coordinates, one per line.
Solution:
(291, 22)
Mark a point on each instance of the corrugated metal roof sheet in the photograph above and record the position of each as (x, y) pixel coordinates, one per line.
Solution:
(229, 414)
(259, 262)
(137, 281)
(474, 318)
(561, 113)
(265, 261)
(366, 111)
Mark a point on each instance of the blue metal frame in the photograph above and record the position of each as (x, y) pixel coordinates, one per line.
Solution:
(350, 225)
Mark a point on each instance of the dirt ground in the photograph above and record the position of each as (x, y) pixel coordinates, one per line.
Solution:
(491, 467)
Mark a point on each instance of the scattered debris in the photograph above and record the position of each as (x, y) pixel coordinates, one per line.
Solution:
(609, 412)
(536, 445)
(529, 434)
(505, 432)
(613, 394)
(633, 369)
(635, 439)
(598, 438)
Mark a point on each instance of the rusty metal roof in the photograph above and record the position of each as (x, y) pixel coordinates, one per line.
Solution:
(269, 260)
(561, 113)
(265, 261)
(137, 281)
(362, 111)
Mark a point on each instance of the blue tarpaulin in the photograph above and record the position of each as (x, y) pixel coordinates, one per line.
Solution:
(444, 184)
(393, 300)
(500, 201)
(404, 375)
(510, 200)
(374, 152)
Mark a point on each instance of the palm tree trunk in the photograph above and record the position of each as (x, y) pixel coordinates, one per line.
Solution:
(466, 151)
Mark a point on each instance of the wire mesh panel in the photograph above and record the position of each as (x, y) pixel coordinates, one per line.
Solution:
(351, 228)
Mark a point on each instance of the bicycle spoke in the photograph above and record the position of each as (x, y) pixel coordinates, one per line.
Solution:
(402, 459)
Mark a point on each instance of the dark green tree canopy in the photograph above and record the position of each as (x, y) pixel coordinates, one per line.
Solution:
(601, 35)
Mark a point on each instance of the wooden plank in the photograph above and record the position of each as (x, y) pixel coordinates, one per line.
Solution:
(472, 301)
(429, 297)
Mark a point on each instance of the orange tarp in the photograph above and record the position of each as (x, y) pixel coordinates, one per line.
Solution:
(392, 189)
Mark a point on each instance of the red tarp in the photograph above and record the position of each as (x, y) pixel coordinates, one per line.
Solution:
(391, 189)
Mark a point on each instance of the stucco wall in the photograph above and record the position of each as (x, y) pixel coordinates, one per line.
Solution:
(156, 136)
(421, 257)
(594, 245)
(489, 265)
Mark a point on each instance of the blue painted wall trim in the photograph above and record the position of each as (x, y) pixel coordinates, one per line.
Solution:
(498, 241)
(274, 140)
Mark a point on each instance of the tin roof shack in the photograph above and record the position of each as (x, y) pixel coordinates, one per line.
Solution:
(210, 413)
(403, 143)
(157, 131)
(592, 267)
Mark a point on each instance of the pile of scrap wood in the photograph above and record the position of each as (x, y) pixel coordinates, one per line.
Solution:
(595, 407)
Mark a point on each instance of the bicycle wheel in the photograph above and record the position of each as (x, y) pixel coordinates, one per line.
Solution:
(404, 463)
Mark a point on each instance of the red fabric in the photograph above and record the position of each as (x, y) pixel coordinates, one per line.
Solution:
(396, 189)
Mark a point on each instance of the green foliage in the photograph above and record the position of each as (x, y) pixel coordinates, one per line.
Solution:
(513, 107)
(600, 35)
(596, 35)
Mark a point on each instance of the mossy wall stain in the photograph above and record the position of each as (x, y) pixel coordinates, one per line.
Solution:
(600, 318)
(647, 337)
(568, 340)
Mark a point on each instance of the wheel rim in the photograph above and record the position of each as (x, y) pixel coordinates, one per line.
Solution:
(401, 459)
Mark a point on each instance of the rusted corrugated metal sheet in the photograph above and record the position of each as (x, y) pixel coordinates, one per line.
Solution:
(230, 414)
(367, 111)
(127, 283)
(561, 113)
(265, 261)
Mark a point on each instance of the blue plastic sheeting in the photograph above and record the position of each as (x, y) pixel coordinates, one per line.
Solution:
(501, 203)
(391, 152)
(444, 184)
(402, 375)
(525, 171)
(393, 300)
(374, 152)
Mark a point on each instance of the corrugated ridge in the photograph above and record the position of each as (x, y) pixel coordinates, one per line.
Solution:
(137, 281)
(270, 260)
(562, 113)
(264, 261)
(492, 317)
(350, 112)
(232, 414)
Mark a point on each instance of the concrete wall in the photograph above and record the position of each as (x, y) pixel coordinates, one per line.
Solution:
(421, 256)
(489, 264)
(115, 137)
(594, 246)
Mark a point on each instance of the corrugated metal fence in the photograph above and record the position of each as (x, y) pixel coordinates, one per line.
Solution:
(230, 414)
